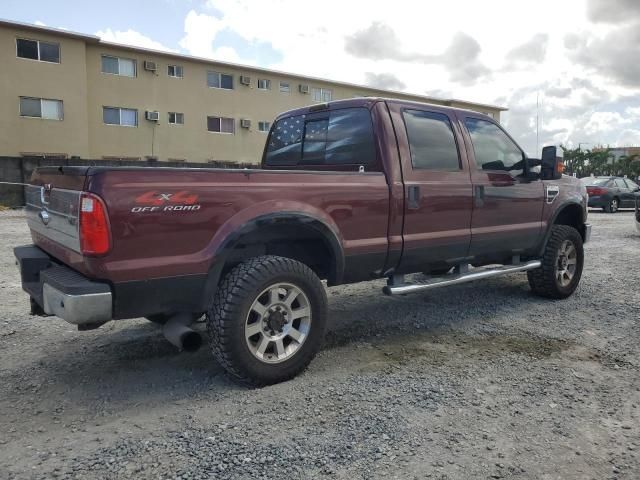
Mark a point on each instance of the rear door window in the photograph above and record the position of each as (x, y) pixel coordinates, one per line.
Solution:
(338, 137)
(620, 183)
(431, 141)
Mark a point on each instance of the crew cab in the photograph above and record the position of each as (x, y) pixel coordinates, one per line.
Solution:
(348, 191)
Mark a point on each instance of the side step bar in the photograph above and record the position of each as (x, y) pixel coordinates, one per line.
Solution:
(396, 288)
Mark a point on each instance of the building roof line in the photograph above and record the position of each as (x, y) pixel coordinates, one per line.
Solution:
(172, 54)
(55, 31)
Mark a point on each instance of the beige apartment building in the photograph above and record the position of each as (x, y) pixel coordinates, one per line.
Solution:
(67, 94)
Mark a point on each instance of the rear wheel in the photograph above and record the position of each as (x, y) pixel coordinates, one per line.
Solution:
(613, 206)
(562, 263)
(267, 320)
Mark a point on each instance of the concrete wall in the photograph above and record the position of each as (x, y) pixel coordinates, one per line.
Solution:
(66, 81)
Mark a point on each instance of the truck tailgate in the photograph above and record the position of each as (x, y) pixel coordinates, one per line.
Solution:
(53, 213)
(52, 207)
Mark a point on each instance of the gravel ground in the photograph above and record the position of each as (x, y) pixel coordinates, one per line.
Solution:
(482, 380)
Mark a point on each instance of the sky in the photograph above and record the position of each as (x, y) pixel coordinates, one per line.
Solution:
(572, 67)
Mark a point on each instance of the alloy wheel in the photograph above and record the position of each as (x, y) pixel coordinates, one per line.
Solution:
(566, 263)
(278, 323)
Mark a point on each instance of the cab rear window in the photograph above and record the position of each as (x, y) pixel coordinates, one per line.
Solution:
(338, 137)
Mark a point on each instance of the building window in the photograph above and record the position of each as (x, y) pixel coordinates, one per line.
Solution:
(264, 126)
(176, 118)
(264, 84)
(220, 80)
(220, 124)
(175, 71)
(118, 66)
(37, 50)
(285, 87)
(126, 117)
(41, 108)
(321, 94)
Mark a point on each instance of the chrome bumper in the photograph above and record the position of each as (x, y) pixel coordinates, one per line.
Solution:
(77, 309)
(587, 232)
(55, 289)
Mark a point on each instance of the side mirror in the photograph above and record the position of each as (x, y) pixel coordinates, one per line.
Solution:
(552, 163)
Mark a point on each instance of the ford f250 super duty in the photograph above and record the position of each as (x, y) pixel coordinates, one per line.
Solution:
(348, 191)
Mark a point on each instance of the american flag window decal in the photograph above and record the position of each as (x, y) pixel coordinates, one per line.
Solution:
(339, 137)
(287, 132)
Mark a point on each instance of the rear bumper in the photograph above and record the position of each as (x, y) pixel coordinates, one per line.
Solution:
(63, 292)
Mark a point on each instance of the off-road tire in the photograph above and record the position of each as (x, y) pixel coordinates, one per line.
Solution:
(232, 301)
(543, 281)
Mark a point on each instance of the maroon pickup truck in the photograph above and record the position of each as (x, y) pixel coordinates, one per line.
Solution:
(348, 191)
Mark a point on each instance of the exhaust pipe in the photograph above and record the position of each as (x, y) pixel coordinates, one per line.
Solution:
(177, 331)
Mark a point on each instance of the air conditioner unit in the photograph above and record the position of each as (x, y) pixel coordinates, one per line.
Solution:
(150, 66)
(245, 80)
(304, 88)
(245, 123)
(152, 116)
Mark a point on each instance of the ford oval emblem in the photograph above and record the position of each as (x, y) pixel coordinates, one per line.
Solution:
(44, 216)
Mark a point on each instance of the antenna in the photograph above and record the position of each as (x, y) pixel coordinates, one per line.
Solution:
(537, 122)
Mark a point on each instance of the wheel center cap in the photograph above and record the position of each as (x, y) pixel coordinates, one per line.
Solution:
(276, 321)
(563, 262)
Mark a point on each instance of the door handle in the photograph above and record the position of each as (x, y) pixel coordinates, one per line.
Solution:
(413, 194)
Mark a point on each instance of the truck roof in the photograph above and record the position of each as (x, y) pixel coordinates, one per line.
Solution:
(366, 102)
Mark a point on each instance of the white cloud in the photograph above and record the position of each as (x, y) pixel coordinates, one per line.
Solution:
(629, 137)
(577, 103)
(633, 113)
(131, 37)
(601, 122)
(40, 23)
(200, 32)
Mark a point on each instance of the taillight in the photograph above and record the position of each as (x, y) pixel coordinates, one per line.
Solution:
(95, 237)
(596, 191)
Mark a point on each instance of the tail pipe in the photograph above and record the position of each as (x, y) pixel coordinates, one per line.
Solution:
(178, 332)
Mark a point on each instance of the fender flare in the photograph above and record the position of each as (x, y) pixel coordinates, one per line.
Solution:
(552, 221)
(329, 236)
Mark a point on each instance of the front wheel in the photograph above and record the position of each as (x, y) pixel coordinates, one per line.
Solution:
(267, 320)
(562, 263)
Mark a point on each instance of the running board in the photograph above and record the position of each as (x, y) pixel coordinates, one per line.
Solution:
(394, 288)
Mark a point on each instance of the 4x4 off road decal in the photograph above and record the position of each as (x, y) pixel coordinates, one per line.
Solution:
(154, 201)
